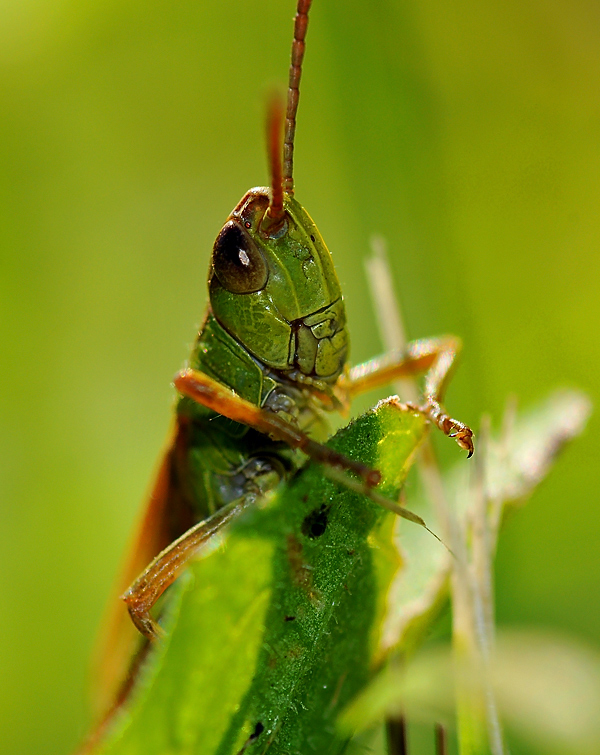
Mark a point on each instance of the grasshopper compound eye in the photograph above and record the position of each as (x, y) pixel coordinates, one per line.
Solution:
(237, 261)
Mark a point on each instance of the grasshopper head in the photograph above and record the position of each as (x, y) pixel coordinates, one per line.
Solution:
(278, 293)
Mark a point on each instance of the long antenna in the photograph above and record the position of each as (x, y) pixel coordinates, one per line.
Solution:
(274, 216)
(300, 26)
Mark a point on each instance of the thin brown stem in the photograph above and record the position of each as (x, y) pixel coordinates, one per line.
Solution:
(441, 743)
(396, 736)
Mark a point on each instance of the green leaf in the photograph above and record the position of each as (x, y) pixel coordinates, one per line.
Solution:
(482, 685)
(511, 465)
(276, 626)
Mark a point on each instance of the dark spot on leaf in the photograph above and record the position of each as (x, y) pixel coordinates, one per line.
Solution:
(312, 238)
(258, 730)
(315, 524)
(290, 618)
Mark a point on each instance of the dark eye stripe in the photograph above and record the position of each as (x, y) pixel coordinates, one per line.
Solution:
(237, 261)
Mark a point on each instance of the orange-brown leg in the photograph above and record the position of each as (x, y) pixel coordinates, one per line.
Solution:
(212, 394)
(433, 356)
(169, 564)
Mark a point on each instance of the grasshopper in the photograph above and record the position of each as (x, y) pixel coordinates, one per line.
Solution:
(269, 363)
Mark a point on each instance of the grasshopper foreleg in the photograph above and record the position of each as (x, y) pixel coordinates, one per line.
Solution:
(212, 394)
(202, 388)
(433, 356)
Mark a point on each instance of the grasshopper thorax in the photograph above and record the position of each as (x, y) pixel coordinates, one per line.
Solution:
(278, 295)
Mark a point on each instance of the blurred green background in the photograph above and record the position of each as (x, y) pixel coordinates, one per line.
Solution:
(466, 133)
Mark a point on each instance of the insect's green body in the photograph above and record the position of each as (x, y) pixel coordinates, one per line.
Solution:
(269, 362)
(275, 333)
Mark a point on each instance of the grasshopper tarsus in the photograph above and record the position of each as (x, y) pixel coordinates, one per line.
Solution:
(139, 600)
(145, 623)
(454, 429)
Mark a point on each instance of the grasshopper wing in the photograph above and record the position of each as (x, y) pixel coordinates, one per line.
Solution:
(121, 647)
